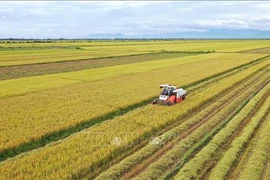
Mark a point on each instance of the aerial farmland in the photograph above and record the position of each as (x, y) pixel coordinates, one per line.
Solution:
(82, 109)
(135, 90)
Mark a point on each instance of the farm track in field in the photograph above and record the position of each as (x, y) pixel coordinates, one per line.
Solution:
(13, 72)
(67, 132)
(224, 147)
(193, 168)
(201, 108)
(171, 144)
(160, 152)
(246, 152)
(189, 154)
(243, 160)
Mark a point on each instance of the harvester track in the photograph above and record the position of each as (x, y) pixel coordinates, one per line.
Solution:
(171, 170)
(192, 128)
(210, 165)
(158, 154)
(246, 152)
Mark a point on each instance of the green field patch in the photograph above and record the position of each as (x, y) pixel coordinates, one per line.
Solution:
(38, 114)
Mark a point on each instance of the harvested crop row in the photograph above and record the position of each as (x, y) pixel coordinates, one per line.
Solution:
(191, 169)
(174, 156)
(84, 152)
(256, 163)
(224, 165)
(52, 68)
(128, 163)
(50, 111)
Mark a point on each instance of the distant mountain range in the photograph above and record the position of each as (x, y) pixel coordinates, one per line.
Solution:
(215, 34)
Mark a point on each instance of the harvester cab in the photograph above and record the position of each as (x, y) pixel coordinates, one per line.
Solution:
(170, 95)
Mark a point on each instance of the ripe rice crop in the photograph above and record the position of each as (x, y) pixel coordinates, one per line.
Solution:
(159, 167)
(128, 163)
(30, 84)
(60, 108)
(21, 57)
(80, 109)
(79, 154)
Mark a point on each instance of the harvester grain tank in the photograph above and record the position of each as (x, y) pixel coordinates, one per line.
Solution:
(170, 95)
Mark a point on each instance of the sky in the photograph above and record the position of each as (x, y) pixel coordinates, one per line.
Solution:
(75, 19)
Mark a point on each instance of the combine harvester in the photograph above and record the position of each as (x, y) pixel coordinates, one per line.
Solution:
(170, 95)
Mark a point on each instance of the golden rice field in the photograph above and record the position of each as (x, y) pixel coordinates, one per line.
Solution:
(82, 110)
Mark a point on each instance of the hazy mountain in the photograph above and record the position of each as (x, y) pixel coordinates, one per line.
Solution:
(219, 33)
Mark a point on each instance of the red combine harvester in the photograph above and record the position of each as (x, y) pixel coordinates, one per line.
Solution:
(170, 95)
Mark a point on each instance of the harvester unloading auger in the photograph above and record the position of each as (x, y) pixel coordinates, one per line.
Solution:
(170, 95)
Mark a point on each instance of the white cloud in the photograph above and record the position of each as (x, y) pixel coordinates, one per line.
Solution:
(264, 5)
(185, 9)
(80, 18)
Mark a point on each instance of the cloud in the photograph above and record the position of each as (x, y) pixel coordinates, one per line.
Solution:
(80, 18)
(263, 6)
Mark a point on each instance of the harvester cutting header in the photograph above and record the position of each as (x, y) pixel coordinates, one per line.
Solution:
(170, 95)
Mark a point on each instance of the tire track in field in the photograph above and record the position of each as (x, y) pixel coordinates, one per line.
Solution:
(224, 147)
(185, 134)
(201, 107)
(189, 155)
(8, 153)
(245, 153)
(234, 174)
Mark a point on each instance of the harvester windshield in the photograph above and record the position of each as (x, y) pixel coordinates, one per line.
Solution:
(166, 91)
